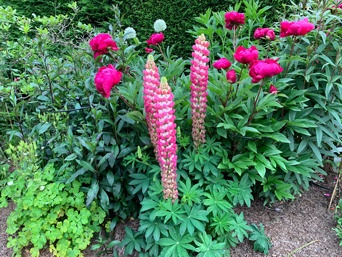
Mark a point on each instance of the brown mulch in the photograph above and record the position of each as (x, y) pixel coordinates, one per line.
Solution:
(303, 226)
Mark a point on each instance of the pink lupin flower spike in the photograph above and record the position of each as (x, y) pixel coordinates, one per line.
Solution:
(151, 83)
(199, 84)
(166, 144)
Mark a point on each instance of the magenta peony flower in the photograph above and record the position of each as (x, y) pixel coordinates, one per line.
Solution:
(273, 89)
(198, 87)
(155, 39)
(148, 50)
(101, 43)
(234, 19)
(222, 63)
(261, 69)
(295, 28)
(166, 143)
(231, 76)
(106, 78)
(264, 33)
(246, 55)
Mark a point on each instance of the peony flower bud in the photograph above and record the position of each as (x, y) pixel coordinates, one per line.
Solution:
(273, 89)
(231, 76)
(222, 63)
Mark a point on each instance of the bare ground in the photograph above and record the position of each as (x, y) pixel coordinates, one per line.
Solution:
(301, 228)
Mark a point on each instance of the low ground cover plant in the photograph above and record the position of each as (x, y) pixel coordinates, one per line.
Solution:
(47, 211)
(135, 131)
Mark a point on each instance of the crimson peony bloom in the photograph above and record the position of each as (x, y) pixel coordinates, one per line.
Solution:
(222, 63)
(155, 39)
(101, 43)
(234, 19)
(246, 55)
(261, 69)
(295, 28)
(231, 76)
(273, 89)
(106, 78)
(265, 33)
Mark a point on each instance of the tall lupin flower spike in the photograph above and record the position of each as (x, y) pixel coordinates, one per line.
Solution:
(166, 144)
(151, 83)
(199, 84)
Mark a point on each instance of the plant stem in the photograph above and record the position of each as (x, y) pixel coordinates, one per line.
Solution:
(124, 99)
(254, 105)
(46, 71)
(234, 38)
(229, 93)
(238, 84)
(300, 248)
(162, 53)
(291, 53)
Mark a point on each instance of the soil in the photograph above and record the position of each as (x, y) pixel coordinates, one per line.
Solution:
(300, 228)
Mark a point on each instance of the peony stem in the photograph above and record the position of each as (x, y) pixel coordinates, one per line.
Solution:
(291, 53)
(255, 104)
(124, 99)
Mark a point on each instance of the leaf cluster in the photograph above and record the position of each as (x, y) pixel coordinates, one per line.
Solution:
(49, 214)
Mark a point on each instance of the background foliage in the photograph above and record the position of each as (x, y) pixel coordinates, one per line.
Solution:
(179, 15)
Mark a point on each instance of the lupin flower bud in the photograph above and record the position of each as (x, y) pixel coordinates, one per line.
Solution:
(166, 143)
(199, 84)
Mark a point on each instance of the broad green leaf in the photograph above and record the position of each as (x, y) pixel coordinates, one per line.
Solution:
(44, 127)
(86, 165)
(92, 192)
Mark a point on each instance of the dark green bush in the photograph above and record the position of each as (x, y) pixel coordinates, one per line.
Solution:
(179, 15)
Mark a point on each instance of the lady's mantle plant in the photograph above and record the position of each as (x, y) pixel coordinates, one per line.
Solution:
(48, 212)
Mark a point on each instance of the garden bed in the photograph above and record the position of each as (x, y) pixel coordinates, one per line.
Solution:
(290, 225)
